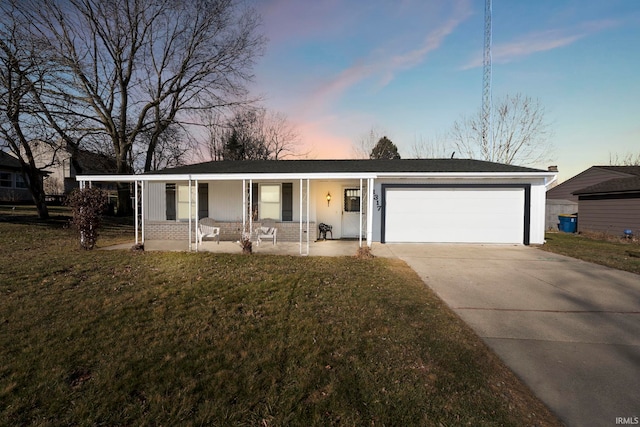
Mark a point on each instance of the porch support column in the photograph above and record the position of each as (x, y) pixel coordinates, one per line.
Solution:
(135, 202)
(142, 183)
(250, 208)
(300, 236)
(190, 222)
(197, 210)
(304, 195)
(370, 183)
(244, 208)
(308, 219)
(360, 218)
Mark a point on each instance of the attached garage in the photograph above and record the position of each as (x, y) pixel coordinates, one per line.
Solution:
(456, 213)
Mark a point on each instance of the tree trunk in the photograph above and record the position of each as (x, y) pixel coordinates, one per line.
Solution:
(37, 193)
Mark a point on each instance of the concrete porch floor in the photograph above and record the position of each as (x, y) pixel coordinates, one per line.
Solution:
(318, 248)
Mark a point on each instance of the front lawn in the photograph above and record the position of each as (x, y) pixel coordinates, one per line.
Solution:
(614, 253)
(134, 338)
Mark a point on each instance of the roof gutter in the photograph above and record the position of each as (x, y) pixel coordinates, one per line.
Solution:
(325, 175)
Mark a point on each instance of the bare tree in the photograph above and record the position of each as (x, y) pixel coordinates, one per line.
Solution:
(250, 134)
(134, 68)
(436, 148)
(28, 84)
(243, 138)
(363, 147)
(211, 146)
(628, 159)
(520, 133)
(281, 137)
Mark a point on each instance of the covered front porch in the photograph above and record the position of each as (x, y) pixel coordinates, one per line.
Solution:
(168, 209)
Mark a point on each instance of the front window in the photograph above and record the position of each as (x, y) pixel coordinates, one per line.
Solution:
(5, 180)
(270, 206)
(183, 201)
(20, 183)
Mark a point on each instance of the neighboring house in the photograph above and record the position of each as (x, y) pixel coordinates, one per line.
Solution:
(562, 200)
(13, 188)
(413, 200)
(63, 171)
(612, 206)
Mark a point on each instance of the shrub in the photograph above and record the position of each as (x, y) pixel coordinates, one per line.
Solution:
(88, 205)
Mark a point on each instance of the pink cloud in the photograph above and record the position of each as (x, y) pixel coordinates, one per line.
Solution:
(319, 143)
(378, 63)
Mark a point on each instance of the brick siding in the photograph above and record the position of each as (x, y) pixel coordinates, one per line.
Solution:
(229, 231)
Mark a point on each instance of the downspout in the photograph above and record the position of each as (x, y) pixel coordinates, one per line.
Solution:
(547, 184)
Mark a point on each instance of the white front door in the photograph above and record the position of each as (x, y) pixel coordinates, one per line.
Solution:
(351, 213)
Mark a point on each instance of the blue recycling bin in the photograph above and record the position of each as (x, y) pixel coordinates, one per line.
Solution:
(568, 223)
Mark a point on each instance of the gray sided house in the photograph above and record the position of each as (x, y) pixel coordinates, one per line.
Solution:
(63, 169)
(13, 188)
(611, 207)
(408, 200)
(562, 199)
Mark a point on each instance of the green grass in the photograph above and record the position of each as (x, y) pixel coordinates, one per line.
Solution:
(619, 254)
(134, 338)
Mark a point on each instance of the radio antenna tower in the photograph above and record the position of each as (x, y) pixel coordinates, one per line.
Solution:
(487, 131)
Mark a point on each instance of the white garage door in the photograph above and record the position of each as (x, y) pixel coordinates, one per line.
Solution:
(454, 215)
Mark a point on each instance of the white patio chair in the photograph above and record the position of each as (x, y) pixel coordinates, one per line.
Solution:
(266, 231)
(207, 228)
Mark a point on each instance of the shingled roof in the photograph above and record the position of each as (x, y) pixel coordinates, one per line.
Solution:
(345, 166)
(7, 161)
(612, 186)
(630, 183)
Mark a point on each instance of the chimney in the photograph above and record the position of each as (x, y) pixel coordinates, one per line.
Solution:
(553, 168)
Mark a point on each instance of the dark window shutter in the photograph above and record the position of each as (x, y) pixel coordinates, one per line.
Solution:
(203, 200)
(254, 201)
(170, 190)
(287, 201)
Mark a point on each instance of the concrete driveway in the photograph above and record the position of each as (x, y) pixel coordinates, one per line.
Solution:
(568, 328)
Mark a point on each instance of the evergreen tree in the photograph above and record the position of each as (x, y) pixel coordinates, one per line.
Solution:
(384, 149)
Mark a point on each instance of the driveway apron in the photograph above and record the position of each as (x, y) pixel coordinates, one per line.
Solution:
(569, 329)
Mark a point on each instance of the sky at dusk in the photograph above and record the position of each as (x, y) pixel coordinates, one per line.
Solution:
(410, 68)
